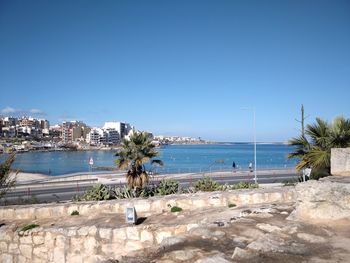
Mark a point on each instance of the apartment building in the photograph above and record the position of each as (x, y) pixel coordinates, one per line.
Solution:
(98, 136)
(74, 131)
(122, 128)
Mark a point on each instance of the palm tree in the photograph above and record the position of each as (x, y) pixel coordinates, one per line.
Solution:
(314, 147)
(134, 153)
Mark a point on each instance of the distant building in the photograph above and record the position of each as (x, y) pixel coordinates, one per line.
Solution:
(74, 131)
(45, 127)
(94, 137)
(98, 136)
(112, 136)
(122, 128)
(55, 132)
(8, 132)
(9, 121)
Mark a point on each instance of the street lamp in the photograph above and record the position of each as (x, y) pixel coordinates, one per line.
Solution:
(254, 129)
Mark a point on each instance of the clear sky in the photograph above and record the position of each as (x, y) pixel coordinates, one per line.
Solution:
(177, 67)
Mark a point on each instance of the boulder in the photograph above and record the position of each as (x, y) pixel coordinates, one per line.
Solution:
(275, 244)
(324, 201)
(213, 259)
(311, 238)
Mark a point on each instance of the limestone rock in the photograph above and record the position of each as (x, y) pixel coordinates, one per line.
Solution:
(268, 227)
(170, 241)
(183, 255)
(146, 236)
(311, 238)
(324, 201)
(273, 243)
(240, 253)
(213, 259)
(160, 236)
(106, 233)
(6, 258)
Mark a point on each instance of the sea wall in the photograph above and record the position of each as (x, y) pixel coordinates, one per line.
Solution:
(340, 161)
(57, 239)
(150, 205)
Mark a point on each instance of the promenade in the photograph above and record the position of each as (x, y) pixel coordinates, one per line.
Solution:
(63, 188)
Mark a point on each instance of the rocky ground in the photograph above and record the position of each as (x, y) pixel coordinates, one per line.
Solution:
(263, 233)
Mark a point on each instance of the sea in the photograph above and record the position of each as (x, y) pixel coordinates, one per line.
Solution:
(176, 159)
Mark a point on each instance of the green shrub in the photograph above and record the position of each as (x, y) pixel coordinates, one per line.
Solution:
(28, 227)
(175, 209)
(231, 205)
(75, 213)
(97, 193)
(167, 187)
(123, 192)
(206, 184)
(317, 174)
(240, 185)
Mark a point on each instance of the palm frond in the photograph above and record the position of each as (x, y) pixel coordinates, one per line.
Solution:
(134, 153)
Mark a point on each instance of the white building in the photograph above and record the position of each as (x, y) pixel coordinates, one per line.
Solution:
(93, 137)
(99, 136)
(122, 128)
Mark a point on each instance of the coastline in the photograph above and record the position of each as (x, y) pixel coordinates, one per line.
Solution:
(106, 177)
(25, 177)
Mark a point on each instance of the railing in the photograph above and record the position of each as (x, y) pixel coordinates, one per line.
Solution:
(169, 170)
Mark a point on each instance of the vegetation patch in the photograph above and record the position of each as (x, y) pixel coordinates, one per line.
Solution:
(231, 205)
(75, 213)
(313, 146)
(167, 187)
(26, 228)
(175, 209)
(98, 193)
(206, 184)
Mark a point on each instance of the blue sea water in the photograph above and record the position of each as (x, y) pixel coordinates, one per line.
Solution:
(176, 158)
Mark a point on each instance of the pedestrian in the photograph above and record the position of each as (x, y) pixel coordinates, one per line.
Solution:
(250, 167)
(233, 167)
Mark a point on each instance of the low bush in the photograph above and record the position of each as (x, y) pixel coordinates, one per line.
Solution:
(28, 227)
(75, 213)
(175, 209)
(167, 187)
(97, 193)
(231, 205)
(240, 185)
(206, 184)
(123, 192)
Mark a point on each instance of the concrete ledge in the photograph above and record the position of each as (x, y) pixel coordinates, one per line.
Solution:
(340, 161)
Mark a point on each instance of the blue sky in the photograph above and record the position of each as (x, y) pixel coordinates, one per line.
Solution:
(177, 67)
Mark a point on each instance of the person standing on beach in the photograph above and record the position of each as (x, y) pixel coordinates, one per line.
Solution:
(233, 167)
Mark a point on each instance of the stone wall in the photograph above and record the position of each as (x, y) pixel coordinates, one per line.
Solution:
(80, 244)
(340, 161)
(151, 205)
(96, 241)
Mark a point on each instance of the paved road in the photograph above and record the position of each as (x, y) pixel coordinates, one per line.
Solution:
(66, 192)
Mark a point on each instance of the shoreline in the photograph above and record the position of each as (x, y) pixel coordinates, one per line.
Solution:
(27, 177)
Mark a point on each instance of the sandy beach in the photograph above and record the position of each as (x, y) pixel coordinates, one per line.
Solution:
(25, 177)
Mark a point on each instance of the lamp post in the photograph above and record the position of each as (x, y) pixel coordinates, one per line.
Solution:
(254, 130)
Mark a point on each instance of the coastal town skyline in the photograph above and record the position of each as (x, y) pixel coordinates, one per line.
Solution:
(165, 70)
